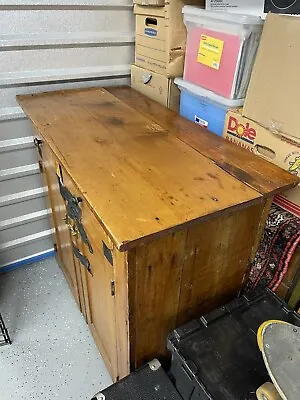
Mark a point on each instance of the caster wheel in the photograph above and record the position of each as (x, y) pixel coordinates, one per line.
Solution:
(267, 392)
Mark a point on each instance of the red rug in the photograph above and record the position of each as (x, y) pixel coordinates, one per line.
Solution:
(280, 239)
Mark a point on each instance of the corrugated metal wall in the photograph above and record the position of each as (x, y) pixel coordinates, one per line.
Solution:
(48, 45)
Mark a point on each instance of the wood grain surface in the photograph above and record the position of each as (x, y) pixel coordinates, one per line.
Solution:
(215, 265)
(254, 171)
(185, 275)
(154, 292)
(139, 180)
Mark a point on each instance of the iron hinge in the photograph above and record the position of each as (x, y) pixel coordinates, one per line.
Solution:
(41, 167)
(113, 288)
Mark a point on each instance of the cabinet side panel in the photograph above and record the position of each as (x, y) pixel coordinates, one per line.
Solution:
(218, 253)
(154, 296)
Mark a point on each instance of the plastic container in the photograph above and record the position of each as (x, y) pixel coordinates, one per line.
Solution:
(204, 107)
(217, 356)
(221, 49)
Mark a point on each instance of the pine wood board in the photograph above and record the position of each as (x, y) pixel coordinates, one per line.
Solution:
(261, 175)
(139, 180)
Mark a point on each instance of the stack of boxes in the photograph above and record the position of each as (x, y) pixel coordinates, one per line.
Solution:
(160, 49)
(220, 53)
(268, 125)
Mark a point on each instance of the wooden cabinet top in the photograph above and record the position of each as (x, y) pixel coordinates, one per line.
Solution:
(144, 170)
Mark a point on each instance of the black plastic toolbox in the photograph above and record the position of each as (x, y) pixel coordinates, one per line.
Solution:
(217, 356)
(147, 383)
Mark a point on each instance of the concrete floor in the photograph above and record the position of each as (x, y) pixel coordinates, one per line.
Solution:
(53, 355)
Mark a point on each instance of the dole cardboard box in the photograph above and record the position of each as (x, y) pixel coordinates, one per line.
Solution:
(272, 147)
(161, 37)
(155, 86)
(273, 94)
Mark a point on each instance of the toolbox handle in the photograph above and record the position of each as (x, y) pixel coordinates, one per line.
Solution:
(149, 21)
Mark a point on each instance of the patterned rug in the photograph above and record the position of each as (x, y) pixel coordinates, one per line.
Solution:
(280, 239)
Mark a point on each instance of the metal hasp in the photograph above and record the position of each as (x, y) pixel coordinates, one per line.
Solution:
(4, 338)
(74, 211)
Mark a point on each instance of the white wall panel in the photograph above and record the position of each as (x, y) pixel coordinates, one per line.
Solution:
(8, 105)
(48, 45)
(61, 58)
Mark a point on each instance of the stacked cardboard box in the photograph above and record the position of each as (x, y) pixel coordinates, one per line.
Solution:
(273, 147)
(255, 7)
(268, 124)
(160, 49)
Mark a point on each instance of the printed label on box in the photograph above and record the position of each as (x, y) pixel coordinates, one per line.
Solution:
(201, 121)
(210, 51)
(293, 162)
(150, 32)
(241, 131)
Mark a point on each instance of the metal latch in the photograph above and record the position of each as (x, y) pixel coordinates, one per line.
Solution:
(74, 211)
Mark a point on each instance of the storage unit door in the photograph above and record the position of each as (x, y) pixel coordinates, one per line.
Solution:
(25, 235)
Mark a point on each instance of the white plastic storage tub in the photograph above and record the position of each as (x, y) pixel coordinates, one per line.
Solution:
(204, 107)
(221, 48)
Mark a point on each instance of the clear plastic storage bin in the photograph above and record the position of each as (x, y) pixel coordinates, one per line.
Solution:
(204, 107)
(221, 49)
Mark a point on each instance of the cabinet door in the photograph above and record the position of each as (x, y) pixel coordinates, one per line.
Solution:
(98, 284)
(62, 233)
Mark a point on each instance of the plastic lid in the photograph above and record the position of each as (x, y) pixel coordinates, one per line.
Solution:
(201, 92)
(242, 19)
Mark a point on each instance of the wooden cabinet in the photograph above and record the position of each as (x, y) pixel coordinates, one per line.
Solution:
(156, 219)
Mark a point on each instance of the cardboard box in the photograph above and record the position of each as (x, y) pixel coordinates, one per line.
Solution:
(161, 37)
(157, 3)
(155, 86)
(274, 148)
(255, 7)
(273, 94)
